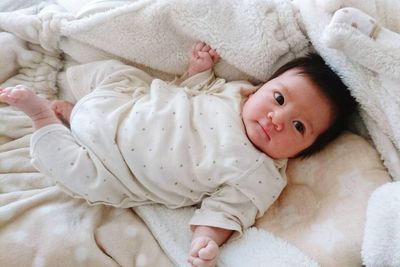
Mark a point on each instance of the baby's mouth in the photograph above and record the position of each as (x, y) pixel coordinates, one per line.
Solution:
(264, 128)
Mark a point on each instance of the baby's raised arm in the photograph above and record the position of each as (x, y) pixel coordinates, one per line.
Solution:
(204, 249)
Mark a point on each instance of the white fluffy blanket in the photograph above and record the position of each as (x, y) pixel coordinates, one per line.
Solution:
(362, 43)
(158, 34)
(381, 239)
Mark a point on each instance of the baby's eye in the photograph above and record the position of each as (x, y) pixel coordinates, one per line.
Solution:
(299, 126)
(279, 98)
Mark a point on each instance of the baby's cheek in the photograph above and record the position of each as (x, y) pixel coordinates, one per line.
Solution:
(290, 146)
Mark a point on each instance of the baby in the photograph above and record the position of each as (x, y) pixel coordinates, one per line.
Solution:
(137, 140)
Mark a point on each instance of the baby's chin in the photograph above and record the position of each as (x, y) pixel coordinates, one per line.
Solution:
(263, 143)
(259, 143)
(268, 148)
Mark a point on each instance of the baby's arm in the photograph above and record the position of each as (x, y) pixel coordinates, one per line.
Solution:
(202, 58)
(204, 249)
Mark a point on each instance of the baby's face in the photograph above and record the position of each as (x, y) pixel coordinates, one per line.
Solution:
(286, 115)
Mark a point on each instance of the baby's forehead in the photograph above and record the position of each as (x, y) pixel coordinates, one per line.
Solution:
(305, 93)
(294, 73)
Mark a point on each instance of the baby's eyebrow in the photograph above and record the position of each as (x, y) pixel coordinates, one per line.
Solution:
(284, 91)
(278, 85)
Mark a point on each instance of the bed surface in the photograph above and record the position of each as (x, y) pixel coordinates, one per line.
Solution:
(319, 218)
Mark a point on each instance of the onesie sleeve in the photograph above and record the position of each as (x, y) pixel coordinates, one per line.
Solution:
(203, 82)
(106, 74)
(237, 204)
(227, 208)
(200, 79)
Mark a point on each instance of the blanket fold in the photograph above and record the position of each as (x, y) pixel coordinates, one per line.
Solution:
(255, 247)
(378, 42)
(159, 34)
(381, 245)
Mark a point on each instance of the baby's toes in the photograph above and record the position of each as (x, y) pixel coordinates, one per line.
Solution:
(7, 90)
(19, 94)
(8, 95)
(3, 96)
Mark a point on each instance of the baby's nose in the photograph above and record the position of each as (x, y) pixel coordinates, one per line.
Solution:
(277, 120)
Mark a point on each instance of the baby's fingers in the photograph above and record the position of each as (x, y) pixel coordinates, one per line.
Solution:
(205, 55)
(214, 55)
(197, 262)
(205, 48)
(196, 246)
(209, 252)
(198, 46)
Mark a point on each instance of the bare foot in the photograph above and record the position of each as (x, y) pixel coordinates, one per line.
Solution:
(37, 108)
(62, 109)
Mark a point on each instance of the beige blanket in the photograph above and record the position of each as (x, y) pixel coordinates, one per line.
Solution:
(321, 212)
(42, 226)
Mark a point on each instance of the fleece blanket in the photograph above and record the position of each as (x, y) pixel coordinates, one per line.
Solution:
(361, 41)
(250, 48)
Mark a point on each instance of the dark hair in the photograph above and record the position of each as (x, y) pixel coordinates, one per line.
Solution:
(330, 84)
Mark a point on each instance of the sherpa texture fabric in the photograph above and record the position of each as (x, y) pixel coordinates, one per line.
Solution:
(256, 38)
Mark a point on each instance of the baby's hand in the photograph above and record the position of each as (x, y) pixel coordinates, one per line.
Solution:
(202, 58)
(203, 252)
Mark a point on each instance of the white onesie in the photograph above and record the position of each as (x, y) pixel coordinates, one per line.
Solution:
(136, 140)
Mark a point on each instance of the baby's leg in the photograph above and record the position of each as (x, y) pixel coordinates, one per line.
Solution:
(37, 108)
(62, 109)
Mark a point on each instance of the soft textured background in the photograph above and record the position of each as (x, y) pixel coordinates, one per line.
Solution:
(45, 226)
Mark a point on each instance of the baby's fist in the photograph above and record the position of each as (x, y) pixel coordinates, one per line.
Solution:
(203, 57)
(203, 252)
